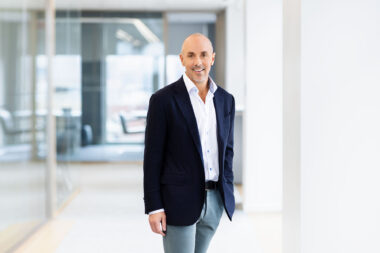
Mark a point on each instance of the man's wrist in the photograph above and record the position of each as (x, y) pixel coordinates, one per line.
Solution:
(157, 211)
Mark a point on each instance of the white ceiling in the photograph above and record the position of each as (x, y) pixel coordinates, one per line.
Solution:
(140, 5)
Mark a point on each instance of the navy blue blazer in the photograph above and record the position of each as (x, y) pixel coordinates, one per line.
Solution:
(174, 176)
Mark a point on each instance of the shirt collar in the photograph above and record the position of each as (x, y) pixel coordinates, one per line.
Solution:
(190, 86)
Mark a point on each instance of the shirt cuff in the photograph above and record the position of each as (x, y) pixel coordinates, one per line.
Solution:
(157, 211)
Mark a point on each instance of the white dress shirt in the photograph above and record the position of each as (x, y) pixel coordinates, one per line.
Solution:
(206, 121)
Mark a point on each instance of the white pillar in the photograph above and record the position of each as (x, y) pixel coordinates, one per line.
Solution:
(262, 124)
(51, 181)
(340, 126)
(291, 128)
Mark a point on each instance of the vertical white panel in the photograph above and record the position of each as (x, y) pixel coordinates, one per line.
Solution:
(291, 129)
(263, 107)
(340, 126)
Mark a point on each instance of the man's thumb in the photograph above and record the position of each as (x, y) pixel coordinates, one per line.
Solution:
(163, 221)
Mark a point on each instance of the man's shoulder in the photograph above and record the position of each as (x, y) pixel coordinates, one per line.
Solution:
(224, 93)
(167, 90)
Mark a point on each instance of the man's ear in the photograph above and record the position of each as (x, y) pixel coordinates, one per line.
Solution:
(181, 58)
(213, 59)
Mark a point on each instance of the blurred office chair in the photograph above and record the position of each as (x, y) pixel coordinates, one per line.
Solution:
(15, 133)
(127, 129)
(86, 135)
(7, 122)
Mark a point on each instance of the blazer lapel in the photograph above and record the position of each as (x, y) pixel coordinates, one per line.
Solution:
(183, 100)
(219, 110)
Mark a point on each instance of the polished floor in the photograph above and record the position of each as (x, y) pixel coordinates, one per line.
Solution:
(106, 214)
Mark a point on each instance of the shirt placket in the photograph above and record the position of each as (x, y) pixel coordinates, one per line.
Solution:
(201, 124)
(210, 169)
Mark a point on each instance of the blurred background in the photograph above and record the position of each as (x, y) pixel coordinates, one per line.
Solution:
(75, 82)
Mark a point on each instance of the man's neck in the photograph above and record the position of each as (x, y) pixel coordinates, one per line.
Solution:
(203, 90)
(203, 87)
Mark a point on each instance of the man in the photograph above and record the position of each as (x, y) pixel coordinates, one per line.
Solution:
(188, 179)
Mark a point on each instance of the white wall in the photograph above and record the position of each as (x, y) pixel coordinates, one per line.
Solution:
(262, 175)
(340, 126)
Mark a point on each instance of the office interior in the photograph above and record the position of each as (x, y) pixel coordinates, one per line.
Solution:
(75, 82)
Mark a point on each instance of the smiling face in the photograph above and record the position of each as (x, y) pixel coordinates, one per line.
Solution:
(197, 57)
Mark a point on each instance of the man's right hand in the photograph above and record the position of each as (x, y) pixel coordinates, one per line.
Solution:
(157, 222)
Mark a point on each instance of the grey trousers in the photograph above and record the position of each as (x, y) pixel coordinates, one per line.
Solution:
(196, 238)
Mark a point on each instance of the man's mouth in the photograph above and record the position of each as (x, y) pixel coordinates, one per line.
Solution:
(198, 70)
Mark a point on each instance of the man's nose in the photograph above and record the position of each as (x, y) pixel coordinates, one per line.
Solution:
(197, 61)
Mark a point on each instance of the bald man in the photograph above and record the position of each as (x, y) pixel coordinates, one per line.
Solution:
(188, 178)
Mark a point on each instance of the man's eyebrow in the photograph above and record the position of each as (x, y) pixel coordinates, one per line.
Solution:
(203, 52)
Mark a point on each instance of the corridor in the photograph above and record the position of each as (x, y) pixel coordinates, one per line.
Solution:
(107, 215)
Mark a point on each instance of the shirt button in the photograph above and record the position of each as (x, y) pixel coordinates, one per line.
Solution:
(208, 151)
(210, 168)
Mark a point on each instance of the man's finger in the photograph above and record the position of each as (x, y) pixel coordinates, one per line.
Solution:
(163, 223)
(152, 226)
(158, 229)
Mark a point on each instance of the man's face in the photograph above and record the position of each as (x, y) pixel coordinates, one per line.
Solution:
(197, 57)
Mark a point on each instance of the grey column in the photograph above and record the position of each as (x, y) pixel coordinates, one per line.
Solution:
(93, 85)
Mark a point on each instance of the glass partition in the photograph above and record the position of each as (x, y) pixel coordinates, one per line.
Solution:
(67, 99)
(22, 125)
(109, 64)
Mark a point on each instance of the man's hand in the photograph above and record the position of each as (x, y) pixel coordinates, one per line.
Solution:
(156, 221)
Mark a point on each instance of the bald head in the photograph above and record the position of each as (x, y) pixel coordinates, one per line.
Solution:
(197, 38)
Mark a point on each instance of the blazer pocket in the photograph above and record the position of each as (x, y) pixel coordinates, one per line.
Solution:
(173, 179)
(227, 114)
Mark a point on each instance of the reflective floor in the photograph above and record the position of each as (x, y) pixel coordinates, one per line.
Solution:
(107, 215)
(22, 200)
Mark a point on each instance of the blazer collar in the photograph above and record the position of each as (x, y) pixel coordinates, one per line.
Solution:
(183, 100)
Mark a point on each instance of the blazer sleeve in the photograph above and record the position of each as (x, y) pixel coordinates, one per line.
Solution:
(155, 138)
(228, 172)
